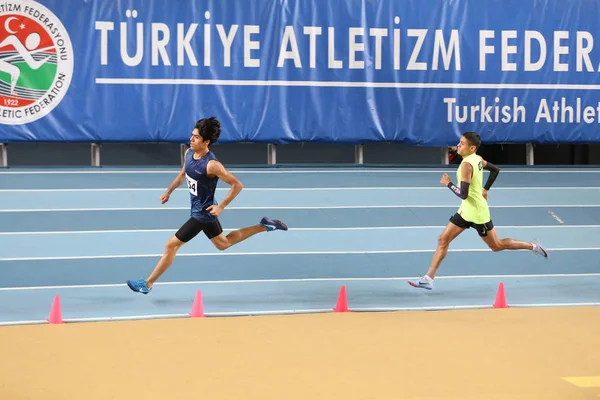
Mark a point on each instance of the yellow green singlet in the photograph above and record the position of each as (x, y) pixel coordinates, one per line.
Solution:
(474, 208)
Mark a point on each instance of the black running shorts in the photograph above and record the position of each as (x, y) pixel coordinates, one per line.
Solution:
(192, 227)
(482, 229)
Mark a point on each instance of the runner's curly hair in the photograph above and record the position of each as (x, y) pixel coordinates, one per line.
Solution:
(209, 129)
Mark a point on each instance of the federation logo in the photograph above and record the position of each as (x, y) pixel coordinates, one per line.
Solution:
(36, 61)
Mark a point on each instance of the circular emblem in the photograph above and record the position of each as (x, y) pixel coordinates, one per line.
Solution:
(36, 61)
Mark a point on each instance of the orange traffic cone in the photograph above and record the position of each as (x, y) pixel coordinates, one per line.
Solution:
(342, 302)
(197, 306)
(500, 301)
(55, 312)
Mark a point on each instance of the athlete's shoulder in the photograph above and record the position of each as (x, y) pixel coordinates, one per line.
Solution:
(477, 159)
(473, 159)
(468, 161)
(478, 162)
(214, 166)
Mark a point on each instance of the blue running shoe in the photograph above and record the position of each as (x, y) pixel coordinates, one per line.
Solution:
(273, 224)
(139, 286)
(422, 283)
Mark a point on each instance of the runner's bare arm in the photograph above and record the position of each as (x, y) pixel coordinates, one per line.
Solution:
(215, 168)
(175, 184)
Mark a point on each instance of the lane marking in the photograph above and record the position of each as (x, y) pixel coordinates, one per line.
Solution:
(285, 189)
(297, 280)
(560, 221)
(299, 171)
(116, 256)
(334, 229)
(299, 207)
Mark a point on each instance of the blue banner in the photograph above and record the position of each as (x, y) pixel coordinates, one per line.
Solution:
(419, 72)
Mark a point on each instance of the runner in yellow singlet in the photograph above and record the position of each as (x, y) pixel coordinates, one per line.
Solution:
(473, 211)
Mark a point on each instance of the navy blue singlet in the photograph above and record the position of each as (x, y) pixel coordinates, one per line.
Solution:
(201, 187)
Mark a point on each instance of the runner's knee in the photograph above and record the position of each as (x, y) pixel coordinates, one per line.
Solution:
(173, 244)
(443, 241)
(496, 246)
(222, 244)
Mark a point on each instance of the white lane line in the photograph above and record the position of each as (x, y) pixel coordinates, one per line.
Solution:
(225, 254)
(297, 280)
(400, 170)
(299, 207)
(301, 189)
(330, 229)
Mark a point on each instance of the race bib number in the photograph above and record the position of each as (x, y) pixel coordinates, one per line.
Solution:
(192, 185)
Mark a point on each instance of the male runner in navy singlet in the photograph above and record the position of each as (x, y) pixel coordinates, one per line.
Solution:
(202, 171)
